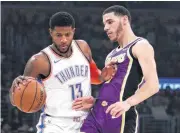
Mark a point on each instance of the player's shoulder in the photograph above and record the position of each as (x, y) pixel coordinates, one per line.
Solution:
(142, 47)
(39, 58)
(143, 41)
(85, 49)
(82, 43)
(39, 64)
(143, 44)
(83, 46)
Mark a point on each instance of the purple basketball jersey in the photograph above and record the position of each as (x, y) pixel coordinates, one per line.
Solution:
(124, 84)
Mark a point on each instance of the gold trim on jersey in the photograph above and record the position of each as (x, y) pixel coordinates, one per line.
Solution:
(137, 115)
(123, 87)
(124, 83)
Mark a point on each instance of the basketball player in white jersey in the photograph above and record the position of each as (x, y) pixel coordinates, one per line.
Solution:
(67, 70)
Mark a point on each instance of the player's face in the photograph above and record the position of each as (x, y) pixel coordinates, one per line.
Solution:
(113, 26)
(62, 37)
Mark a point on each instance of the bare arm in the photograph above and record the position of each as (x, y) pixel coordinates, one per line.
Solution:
(144, 52)
(85, 49)
(95, 72)
(36, 65)
(97, 76)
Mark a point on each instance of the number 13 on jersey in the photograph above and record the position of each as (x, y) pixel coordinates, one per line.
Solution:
(76, 91)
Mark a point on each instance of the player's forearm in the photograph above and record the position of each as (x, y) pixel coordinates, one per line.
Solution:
(96, 78)
(100, 78)
(147, 90)
(95, 73)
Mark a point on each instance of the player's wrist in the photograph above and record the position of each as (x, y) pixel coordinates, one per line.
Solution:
(101, 78)
(128, 103)
(94, 100)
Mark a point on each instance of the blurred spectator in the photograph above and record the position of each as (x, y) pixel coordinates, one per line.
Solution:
(5, 127)
(144, 108)
(16, 121)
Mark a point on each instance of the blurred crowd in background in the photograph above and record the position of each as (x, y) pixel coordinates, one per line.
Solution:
(24, 32)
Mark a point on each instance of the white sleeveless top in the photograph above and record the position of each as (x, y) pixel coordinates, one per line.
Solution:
(69, 78)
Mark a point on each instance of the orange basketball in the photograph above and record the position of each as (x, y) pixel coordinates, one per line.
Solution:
(30, 97)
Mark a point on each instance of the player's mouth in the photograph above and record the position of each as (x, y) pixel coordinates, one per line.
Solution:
(109, 33)
(64, 47)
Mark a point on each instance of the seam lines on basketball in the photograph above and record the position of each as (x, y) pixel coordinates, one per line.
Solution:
(22, 95)
(34, 98)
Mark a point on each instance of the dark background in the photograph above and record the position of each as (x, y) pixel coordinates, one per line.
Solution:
(24, 32)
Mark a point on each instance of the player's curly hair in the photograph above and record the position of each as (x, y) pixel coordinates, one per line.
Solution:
(61, 19)
(118, 10)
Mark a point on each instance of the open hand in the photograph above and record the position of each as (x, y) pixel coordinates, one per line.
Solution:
(83, 103)
(118, 108)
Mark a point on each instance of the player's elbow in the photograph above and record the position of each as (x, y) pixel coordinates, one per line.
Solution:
(156, 89)
(155, 86)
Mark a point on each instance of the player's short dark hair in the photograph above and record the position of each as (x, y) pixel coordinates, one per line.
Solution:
(118, 10)
(61, 19)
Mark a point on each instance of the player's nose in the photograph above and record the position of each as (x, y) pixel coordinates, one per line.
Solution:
(106, 28)
(63, 40)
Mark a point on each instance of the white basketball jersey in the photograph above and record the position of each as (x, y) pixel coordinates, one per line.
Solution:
(69, 78)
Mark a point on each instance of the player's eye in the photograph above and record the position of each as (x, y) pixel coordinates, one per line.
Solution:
(58, 35)
(110, 22)
(67, 35)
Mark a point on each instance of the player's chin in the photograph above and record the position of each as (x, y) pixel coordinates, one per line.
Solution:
(113, 39)
(63, 50)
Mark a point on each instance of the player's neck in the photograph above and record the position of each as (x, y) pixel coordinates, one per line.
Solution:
(66, 55)
(127, 38)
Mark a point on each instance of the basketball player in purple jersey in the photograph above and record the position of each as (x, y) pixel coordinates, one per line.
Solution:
(136, 79)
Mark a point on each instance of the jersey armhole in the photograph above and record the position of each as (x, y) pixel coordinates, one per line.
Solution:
(50, 70)
(130, 51)
(82, 51)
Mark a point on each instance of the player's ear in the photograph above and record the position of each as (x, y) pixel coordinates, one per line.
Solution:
(74, 29)
(125, 19)
(50, 31)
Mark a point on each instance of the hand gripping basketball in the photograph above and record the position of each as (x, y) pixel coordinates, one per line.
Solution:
(29, 96)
